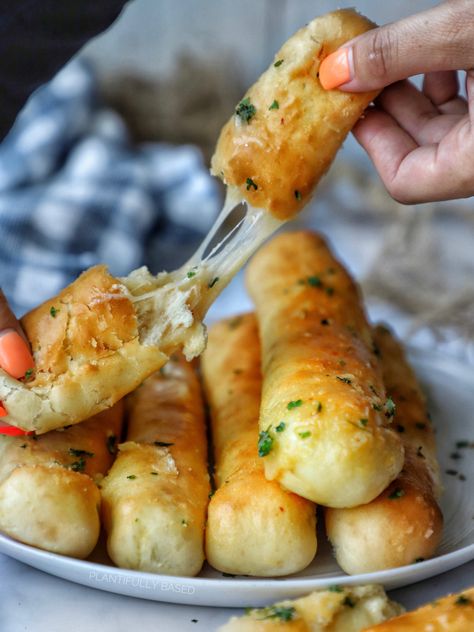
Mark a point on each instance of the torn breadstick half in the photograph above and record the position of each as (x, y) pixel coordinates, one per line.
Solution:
(404, 524)
(321, 377)
(154, 498)
(287, 129)
(254, 526)
(102, 336)
(48, 492)
(336, 609)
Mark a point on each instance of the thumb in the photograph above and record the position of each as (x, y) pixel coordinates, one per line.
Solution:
(438, 39)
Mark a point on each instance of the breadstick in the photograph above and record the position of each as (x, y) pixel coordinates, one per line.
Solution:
(287, 129)
(403, 525)
(337, 609)
(156, 494)
(48, 492)
(254, 527)
(454, 613)
(320, 377)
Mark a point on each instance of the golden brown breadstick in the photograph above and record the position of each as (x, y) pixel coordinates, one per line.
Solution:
(254, 526)
(337, 609)
(286, 131)
(454, 613)
(404, 524)
(48, 492)
(156, 494)
(320, 377)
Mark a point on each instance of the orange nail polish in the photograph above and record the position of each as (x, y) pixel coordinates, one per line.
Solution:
(335, 70)
(15, 357)
(13, 431)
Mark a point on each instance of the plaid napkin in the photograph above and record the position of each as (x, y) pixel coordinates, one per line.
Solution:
(74, 192)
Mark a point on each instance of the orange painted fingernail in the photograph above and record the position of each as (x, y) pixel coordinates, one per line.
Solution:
(335, 69)
(13, 431)
(15, 356)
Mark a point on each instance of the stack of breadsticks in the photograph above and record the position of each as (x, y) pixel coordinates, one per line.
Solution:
(308, 404)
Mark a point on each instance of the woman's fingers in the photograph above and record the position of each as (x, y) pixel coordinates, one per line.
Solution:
(433, 40)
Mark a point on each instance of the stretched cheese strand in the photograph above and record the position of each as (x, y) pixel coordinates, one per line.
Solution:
(156, 494)
(254, 526)
(320, 377)
(101, 336)
(403, 525)
(338, 609)
(48, 492)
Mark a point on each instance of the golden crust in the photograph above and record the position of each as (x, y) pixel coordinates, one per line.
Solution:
(347, 609)
(321, 377)
(48, 497)
(454, 613)
(155, 497)
(87, 354)
(286, 150)
(404, 524)
(254, 527)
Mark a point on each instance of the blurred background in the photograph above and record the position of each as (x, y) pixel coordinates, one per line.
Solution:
(108, 163)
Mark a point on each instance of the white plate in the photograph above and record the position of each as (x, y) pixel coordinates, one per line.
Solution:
(450, 389)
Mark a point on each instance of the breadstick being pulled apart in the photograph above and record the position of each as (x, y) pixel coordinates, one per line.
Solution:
(403, 525)
(337, 609)
(154, 498)
(321, 377)
(101, 336)
(254, 526)
(48, 492)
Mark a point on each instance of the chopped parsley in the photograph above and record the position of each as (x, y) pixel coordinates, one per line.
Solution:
(190, 274)
(462, 600)
(28, 375)
(350, 603)
(305, 434)
(342, 378)
(23, 446)
(265, 442)
(364, 421)
(462, 444)
(397, 493)
(154, 473)
(329, 291)
(377, 407)
(251, 184)
(211, 493)
(132, 477)
(111, 443)
(213, 282)
(281, 426)
(324, 321)
(390, 407)
(75, 452)
(314, 281)
(294, 404)
(184, 522)
(335, 588)
(245, 110)
(319, 407)
(79, 465)
(275, 105)
(284, 613)
(162, 444)
(418, 560)
(298, 195)
(278, 63)
(53, 311)
(452, 472)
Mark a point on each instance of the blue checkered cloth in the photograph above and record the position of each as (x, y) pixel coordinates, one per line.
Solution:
(75, 191)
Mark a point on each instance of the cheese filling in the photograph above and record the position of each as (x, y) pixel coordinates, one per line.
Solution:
(172, 305)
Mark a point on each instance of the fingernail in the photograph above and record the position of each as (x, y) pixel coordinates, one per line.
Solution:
(336, 69)
(15, 356)
(3, 412)
(13, 431)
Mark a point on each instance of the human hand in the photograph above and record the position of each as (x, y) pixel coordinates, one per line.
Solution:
(421, 142)
(15, 355)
